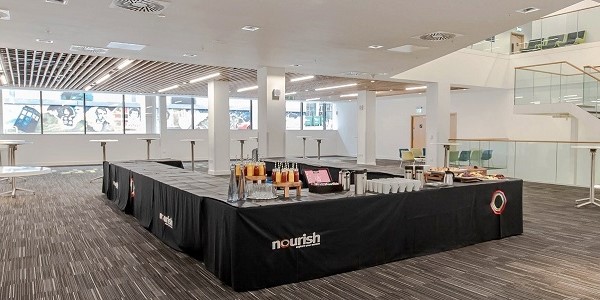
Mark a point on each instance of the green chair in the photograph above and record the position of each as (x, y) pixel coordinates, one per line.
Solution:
(475, 158)
(465, 156)
(453, 158)
(554, 41)
(486, 155)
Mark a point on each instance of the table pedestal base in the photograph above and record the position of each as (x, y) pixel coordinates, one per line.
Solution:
(595, 201)
(14, 190)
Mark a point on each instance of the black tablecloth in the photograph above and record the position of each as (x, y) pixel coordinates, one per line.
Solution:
(255, 245)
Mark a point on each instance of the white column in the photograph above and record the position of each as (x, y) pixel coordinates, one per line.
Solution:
(438, 121)
(2, 114)
(271, 112)
(218, 128)
(162, 107)
(366, 142)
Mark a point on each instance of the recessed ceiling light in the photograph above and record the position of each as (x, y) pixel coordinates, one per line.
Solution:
(126, 46)
(161, 15)
(527, 10)
(124, 64)
(414, 88)
(87, 88)
(297, 65)
(169, 88)
(103, 78)
(408, 48)
(335, 87)
(302, 78)
(250, 28)
(375, 46)
(205, 77)
(313, 99)
(63, 2)
(4, 14)
(348, 95)
(247, 89)
(291, 93)
(372, 80)
(391, 90)
(44, 41)
(190, 55)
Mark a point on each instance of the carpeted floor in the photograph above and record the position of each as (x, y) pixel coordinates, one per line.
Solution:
(67, 242)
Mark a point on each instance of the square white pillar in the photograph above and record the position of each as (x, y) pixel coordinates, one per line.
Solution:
(438, 121)
(271, 112)
(149, 112)
(218, 128)
(367, 109)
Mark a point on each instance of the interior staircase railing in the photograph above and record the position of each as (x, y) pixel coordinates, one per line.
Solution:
(558, 82)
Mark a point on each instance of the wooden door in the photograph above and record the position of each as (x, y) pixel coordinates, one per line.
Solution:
(418, 132)
(516, 42)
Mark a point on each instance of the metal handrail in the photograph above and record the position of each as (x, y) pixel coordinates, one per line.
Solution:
(553, 63)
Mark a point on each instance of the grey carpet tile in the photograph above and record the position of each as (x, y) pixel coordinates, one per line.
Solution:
(68, 242)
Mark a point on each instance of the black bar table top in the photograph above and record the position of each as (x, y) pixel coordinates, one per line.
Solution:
(256, 244)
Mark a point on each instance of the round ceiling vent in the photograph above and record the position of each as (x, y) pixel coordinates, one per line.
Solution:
(438, 36)
(148, 6)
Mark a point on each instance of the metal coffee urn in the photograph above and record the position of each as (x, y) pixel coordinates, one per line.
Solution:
(360, 182)
(344, 179)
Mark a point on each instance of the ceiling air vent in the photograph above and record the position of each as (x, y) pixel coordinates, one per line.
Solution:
(4, 15)
(145, 6)
(527, 10)
(88, 49)
(438, 36)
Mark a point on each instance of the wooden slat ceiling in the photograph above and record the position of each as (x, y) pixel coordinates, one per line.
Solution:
(31, 69)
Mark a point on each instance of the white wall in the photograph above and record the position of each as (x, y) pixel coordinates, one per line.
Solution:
(65, 149)
(347, 114)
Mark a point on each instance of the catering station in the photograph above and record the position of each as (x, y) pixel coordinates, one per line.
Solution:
(251, 233)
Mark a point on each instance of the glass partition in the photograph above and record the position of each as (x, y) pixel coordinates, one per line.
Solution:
(536, 161)
(549, 32)
(551, 83)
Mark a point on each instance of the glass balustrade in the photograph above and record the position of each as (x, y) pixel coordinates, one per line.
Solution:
(535, 161)
(549, 32)
(559, 82)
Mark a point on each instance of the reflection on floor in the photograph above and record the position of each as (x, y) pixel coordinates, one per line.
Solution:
(68, 242)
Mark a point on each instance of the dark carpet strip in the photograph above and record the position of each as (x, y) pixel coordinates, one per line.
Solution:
(68, 242)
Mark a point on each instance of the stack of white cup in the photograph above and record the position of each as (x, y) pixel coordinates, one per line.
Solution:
(393, 185)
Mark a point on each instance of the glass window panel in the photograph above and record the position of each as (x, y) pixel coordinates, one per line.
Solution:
(179, 112)
(330, 117)
(239, 114)
(104, 113)
(201, 113)
(21, 111)
(313, 116)
(135, 113)
(63, 112)
(293, 115)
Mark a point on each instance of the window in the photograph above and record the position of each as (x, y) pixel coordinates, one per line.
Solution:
(240, 114)
(104, 113)
(21, 111)
(62, 112)
(330, 116)
(179, 112)
(293, 115)
(201, 113)
(313, 116)
(135, 114)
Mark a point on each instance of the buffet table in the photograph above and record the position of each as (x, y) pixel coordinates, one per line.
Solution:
(252, 245)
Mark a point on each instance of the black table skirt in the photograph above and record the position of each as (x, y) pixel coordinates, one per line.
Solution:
(250, 248)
